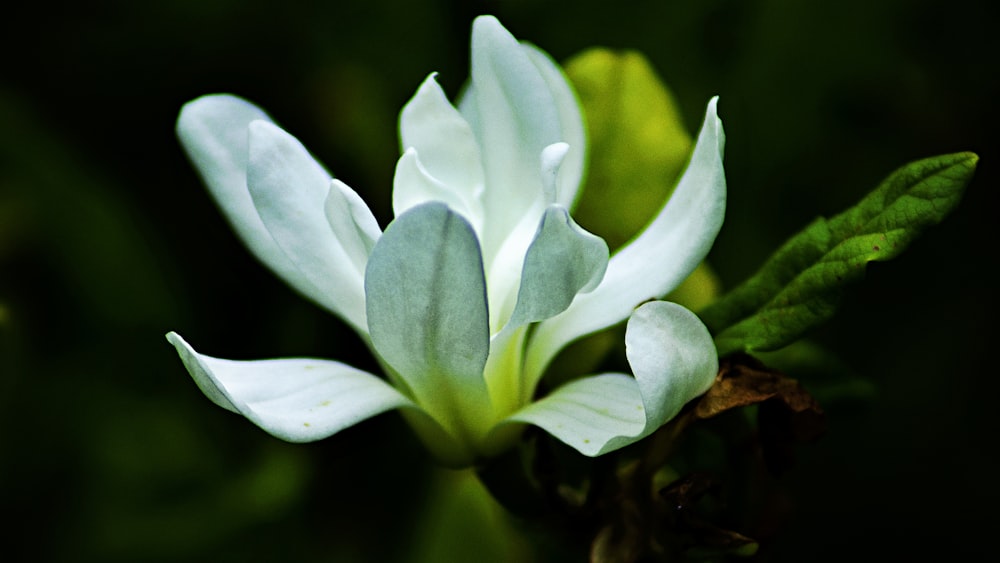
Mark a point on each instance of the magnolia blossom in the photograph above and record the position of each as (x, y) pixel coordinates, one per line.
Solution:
(478, 282)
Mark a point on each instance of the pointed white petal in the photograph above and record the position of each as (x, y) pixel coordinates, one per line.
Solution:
(674, 360)
(413, 185)
(290, 190)
(213, 131)
(427, 312)
(352, 222)
(299, 400)
(571, 125)
(681, 235)
(654, 263)
(469, 108)
(552, 160)
(447, 146)
(516, 117)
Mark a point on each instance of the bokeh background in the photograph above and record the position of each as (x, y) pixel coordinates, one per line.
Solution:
(108, 452)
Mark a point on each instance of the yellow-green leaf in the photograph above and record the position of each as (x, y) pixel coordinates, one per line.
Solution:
(638, 142)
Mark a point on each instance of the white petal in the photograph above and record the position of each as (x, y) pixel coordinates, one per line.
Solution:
(589, 414)
(516, 117)
(654, 263)
(290, 191)
(427, 313)
(213, 131)
(674, 360)
(352, 222)
(552, 160)
(505, 268)
(673, 357)
(571, 125)
(413, 185)
(299, 400)
(504, 272)
(447, 146)
(561, 262)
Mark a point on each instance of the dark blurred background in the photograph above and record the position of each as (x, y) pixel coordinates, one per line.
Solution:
(108, 452)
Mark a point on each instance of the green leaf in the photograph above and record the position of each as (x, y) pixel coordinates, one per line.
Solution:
(638, 142)
(800, 286)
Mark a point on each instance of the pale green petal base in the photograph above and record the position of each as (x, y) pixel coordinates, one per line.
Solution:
(427, 315)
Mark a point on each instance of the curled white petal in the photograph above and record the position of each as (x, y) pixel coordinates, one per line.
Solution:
(674, 360)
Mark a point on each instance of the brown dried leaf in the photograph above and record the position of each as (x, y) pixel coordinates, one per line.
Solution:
(788, 414)
(744, 381)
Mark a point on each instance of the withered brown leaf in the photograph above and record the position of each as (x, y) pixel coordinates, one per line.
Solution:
(787, 413)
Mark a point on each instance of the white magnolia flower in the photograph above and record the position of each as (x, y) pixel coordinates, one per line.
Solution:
(478, 282)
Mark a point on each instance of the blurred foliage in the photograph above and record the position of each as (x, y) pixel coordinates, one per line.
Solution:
(638, 144)
(107, 241)
(464, 523)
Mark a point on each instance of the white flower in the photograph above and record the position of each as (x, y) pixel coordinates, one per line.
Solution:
(479, 281)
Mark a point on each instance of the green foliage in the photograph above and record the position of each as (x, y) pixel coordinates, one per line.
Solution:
(800, 286)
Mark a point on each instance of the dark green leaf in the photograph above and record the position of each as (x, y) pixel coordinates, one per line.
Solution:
(800, 286)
